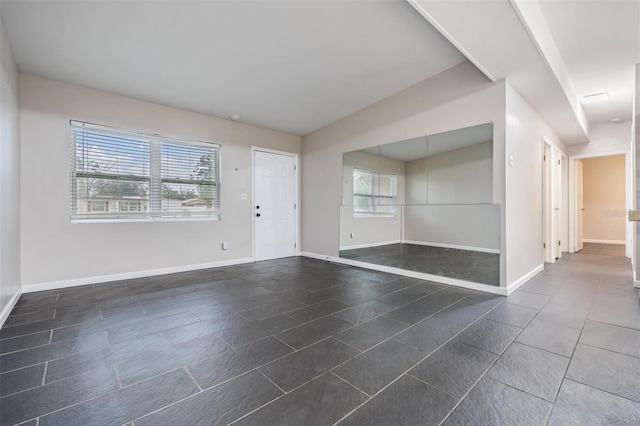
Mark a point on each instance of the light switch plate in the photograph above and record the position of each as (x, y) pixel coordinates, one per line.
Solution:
(634, 215)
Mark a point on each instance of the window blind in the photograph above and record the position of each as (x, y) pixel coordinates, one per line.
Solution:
(118, 174)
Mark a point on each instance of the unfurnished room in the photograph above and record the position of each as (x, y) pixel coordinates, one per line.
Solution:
(266, 212)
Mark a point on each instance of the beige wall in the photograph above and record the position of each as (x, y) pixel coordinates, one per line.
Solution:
(457, 98)
(9, 177)
(604, 198)
(53, 249)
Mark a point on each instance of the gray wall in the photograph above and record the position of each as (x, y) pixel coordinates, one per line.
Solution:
(9, 178)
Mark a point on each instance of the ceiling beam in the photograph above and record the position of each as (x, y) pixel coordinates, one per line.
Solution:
(499, 37)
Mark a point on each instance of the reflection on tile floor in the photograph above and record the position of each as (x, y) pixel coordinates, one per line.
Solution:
(301, 341)
(466, 265)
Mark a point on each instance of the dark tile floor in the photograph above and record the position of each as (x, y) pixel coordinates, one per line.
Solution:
(466, 265)
(300, 341)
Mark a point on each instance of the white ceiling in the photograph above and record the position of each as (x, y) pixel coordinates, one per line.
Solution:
(293, 66)
(600, 44)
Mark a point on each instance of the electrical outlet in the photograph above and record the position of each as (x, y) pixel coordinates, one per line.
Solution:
(353, 235)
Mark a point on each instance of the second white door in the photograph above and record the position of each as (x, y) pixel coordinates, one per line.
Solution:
(274, 209)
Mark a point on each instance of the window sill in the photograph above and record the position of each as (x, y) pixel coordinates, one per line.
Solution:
(148, 219)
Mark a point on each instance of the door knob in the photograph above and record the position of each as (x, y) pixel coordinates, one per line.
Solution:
(257, 207)
(257, 214)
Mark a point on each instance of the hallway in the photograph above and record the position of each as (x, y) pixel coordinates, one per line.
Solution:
(301, 341)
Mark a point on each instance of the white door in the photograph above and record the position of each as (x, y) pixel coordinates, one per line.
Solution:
(579, 207)
(274, 208)
(557, 202)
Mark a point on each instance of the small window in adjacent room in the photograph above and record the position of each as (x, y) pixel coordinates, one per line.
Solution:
(374, 194)
(118, 174)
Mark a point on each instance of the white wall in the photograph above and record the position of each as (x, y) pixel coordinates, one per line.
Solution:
(53, 249)
(457, 98)
(369, 230)
(9, 178)
(604, 138)
(524, 135)
(604, 199)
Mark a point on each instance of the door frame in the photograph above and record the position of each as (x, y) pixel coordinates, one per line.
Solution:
(553, 193)
(296, 192)
(573, 197)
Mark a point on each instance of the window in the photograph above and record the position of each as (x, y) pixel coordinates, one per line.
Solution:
(117, 174)
(374, 193)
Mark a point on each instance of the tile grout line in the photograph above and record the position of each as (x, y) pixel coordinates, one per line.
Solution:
(44, 375)
(192, 378)
(284, 392)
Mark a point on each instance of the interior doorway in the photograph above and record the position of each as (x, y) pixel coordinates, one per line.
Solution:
(275, 201)
(601, 201)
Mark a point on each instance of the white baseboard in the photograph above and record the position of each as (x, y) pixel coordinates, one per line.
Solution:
(412, 274)
(51, 285)
(453, 246)
(381, 243)
(589, 240)
(7, 309)
(524, 279)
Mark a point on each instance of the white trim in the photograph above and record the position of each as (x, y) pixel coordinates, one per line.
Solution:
(51, 285)
(7, 309)
(367, 245)
(524, 279)
(590, 240)
(636, 284)
(412, 274)
(449, 37)
(298, 216)
(453, 246)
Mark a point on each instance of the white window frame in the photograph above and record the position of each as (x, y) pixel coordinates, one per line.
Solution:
(375, 206)
(154, 202)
